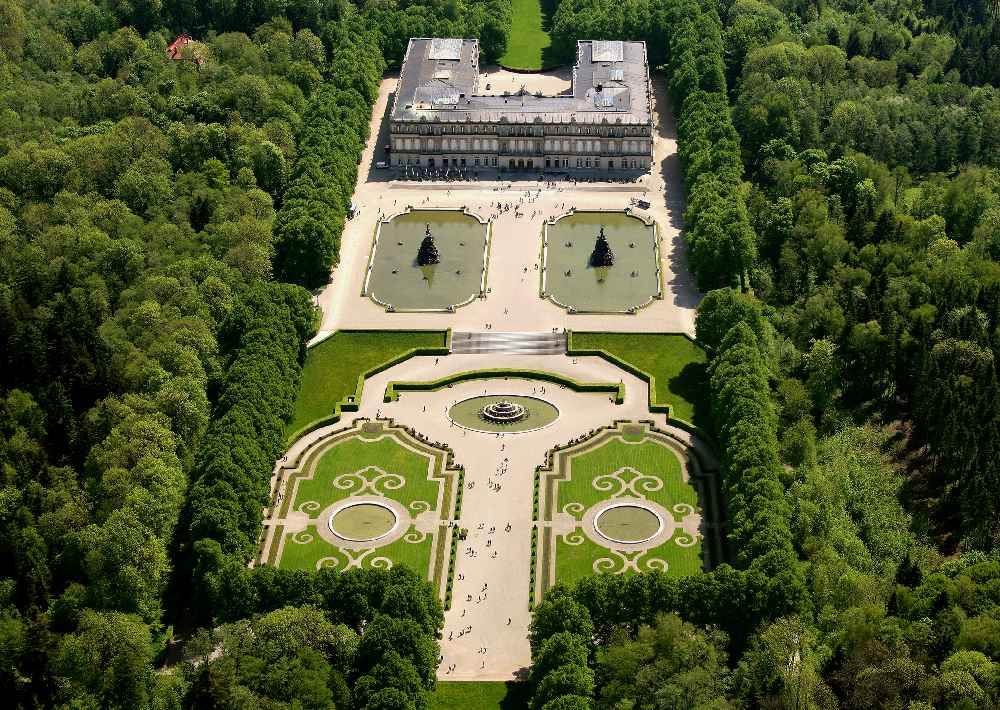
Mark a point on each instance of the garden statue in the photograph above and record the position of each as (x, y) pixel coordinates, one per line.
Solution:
(428, 255)
(602, 254)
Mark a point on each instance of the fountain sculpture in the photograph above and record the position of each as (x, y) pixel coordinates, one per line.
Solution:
(602, 254)
(503, 412)
(428, 255)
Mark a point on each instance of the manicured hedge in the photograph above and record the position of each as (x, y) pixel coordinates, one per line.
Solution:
(335, 127)
(393, 389)
(265, 332)
(723, 245)
(747, 429)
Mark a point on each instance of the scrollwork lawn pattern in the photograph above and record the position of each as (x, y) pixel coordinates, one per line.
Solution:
(685, 538)
(415, 537)
(618, 486)
(420, 506)
(629, 562)
(357, 483)
(327, 562)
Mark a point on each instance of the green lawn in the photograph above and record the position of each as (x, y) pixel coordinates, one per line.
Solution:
(594, 474)
(354, 455)
(308, 554)
(528, 41)
(479, 696)
(332, 368)
(649, 458)
(574, 562)
(677, 364)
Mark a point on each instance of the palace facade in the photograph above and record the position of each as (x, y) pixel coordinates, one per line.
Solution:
(442, 118)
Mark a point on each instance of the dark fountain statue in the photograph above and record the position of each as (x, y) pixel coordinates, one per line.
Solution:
(428, 255)
(602, 254)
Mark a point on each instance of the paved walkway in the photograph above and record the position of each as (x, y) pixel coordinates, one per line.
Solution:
(497, 585)
(513, 302)
(486, 638)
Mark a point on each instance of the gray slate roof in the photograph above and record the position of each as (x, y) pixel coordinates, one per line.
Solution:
(440, 82)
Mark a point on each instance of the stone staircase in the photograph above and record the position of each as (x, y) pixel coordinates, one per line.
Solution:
(490, 343)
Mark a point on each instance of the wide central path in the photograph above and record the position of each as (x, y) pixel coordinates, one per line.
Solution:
(492, 568)
(485, 634)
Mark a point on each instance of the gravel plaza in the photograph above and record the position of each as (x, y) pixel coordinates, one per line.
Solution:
(518, 206)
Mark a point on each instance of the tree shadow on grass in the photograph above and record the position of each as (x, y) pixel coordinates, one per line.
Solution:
(551, 59)
(550, 55)
(517, 697)
(691, 383)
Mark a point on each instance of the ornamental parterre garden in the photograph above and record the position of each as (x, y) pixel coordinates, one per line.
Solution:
(626, 499)
(370, 495)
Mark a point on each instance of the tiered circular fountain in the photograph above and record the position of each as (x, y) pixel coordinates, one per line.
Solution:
(503, 412)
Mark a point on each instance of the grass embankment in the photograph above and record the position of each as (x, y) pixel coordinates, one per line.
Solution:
(475, 695)
(528, 41)
(677, 364)
(332, 367)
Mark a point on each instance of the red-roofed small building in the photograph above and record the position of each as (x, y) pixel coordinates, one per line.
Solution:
(174, 51)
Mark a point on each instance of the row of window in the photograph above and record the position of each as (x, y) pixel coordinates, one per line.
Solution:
(501, 129)
(520, 163)
(484, 162)
(522, 146)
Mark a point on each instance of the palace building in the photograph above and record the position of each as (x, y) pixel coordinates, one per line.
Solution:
(442, 118)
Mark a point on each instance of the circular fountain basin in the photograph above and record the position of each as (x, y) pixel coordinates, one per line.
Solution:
(513, 414)
(628, 523)
(363, 522)
(503, 412)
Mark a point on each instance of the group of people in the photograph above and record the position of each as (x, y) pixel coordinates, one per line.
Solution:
(481, 596)
(449, 174)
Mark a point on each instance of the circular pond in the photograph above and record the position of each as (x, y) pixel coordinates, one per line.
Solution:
(363, 522)
(503, 413)
(628, 523)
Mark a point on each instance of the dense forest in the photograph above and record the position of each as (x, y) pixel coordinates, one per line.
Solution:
(159, 217)
(845, 210)
(150, 209)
